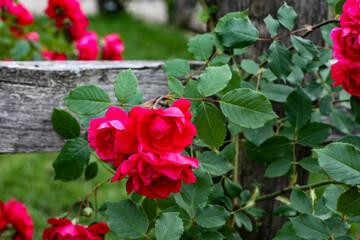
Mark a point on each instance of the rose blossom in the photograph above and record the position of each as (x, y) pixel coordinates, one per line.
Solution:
(53, 56)
(346, 45)
(113, 47)
(87, 46)
(23, 16)
(103, 132)
(33, 36)
(63, 229)
(168, 130)
(14, 213)
(351, 14)
(156, 176)
(348, 77)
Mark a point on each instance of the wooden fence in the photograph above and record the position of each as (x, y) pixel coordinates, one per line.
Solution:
(30, 90)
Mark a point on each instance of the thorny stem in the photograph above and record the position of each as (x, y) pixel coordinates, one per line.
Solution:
(293, 177)
(109, 169)
(311, 29)
(202, 67)
(289, 189)
(97, 186)
(325, 86)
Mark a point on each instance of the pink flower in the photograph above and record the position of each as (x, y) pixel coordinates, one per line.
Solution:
(348, 77)
(63, 229)
(15, 214)
(346, 45)
(103, 132)
(113, 47)
(351, 14)
(33, 36)
(23, 16)
(87, 46)
(54, 56)
(168, 130)
(156, 176)
(68, 9)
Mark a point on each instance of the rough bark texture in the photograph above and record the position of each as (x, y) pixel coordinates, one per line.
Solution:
(30, 90)
(309, 12)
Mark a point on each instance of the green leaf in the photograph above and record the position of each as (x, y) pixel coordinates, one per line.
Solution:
(304, 47)
(20, 50)
(339, 228)
(175, 86)
(306, 225)
(135, 101)
(242, 220)
(213, 80)
(250, 66)
(211, 235)
(332, 2)
(150, 208)
(169, 226)
(259, 135)
(286, 16)
(278, 168)
(341, 121)
(87, 99)
(300, 201)
(126, 86)
(279, 58)
(325, 32)
(191, 91)
(313, 90)
(287, 232)
(313, 134)
(349, 203)
(296, 76)
(201, 46)
(272, 25)
(310, 164)
(341, 162)
(353, 140)
(126, 219)
(339, 7)
(284, 211)
(298, 108)
(85, 119)
(355, 108)
(197, 194)
(331, 196)
(215, 164)
(232, 188)
(65, 124)
(72, 160)
(237, 33)
(91, 171)
(210, 125)
(275, 147)
(326, 105)
(276, 92)
(225, 19)
(247, 108)
(177, 68)
(211, 216)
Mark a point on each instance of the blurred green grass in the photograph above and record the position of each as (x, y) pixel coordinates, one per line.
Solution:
(29, 177)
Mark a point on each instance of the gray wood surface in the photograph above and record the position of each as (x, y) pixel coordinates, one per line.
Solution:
(30, 90)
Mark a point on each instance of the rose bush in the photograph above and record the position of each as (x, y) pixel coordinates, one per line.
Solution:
(77, 43)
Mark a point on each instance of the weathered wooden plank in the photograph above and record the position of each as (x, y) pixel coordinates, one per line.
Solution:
(30, 90)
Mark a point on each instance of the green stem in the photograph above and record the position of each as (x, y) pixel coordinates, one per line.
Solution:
(289, 189)
(236, 66)
(337, 227)
(109, 169)
(98, 186)
(193, 222)
(293, 177)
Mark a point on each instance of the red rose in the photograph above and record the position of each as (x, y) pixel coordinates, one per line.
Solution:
(113, 47)
(168, 130)
(351, 14)
(348, 77)
(156, 176)
(24, 17)
(54, 56)
(63, 229)
(103, 132)
(15, 214)
(87, 46)
(346, 45)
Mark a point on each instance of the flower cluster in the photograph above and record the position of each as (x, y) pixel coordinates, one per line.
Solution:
(64, 229)
(70, 18)
(347, 49)
(14, 214)
(146, 146)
